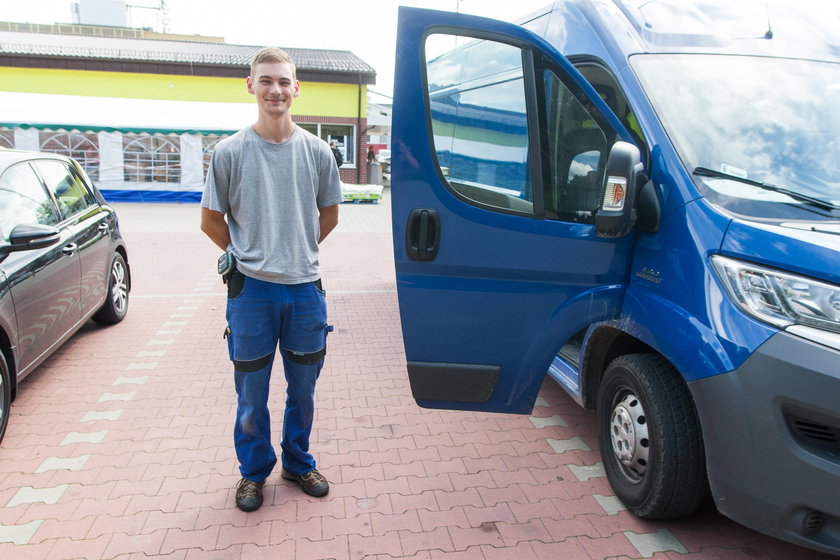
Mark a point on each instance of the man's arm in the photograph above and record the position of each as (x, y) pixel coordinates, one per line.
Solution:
(213, 224)
(328, 219)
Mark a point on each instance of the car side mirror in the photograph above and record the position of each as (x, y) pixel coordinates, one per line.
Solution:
(617, 214)
(26, 237)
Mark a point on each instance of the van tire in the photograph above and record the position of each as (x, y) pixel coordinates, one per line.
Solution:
(5, 395)
(650, 438)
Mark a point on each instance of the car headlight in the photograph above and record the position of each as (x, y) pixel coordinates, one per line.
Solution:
(780, 298)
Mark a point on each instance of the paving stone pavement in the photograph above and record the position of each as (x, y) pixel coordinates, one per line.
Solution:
(120, 445)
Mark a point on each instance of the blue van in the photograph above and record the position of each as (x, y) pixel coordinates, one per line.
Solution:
(641, 199)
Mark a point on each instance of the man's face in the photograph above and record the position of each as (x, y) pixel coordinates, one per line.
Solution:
(274, 86)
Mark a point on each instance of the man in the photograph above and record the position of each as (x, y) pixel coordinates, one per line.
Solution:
(339, 157)
(270, 198)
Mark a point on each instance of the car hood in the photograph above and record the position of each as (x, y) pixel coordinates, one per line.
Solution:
(809, 248)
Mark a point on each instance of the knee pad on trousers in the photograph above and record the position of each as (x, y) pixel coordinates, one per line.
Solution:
(308, 359)
(246, 366)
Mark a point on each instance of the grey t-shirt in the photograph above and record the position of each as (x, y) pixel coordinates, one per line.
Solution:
(270, 194)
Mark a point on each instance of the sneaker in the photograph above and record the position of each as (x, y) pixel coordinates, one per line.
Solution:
(313, 482)
(249, 496)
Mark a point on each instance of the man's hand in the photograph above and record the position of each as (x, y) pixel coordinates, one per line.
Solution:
(213, 224)
(327, 219)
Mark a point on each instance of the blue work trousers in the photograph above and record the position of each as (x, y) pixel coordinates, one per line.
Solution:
(263, 316)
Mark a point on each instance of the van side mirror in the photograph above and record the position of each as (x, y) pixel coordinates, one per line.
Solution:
(617, 214)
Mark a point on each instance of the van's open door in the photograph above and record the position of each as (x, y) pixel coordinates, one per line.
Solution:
(499, 154)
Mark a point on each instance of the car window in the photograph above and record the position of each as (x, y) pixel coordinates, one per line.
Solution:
(23, 200)
(478, 114)
(577, 150)
(66, 186)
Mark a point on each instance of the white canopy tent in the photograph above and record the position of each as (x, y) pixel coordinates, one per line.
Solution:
(111, 113)
(110, 118)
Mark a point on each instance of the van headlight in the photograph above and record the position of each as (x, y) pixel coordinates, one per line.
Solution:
(780, 298)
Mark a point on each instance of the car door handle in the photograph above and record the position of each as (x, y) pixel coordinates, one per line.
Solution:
(103, 228)
(422, 236)
(70, 249)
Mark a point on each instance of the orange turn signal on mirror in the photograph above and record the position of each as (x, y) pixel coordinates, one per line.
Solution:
(615, 193)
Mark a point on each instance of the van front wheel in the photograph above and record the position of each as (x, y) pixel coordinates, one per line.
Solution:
(650, 438)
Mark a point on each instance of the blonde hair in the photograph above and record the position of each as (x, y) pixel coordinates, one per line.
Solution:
(272, 54)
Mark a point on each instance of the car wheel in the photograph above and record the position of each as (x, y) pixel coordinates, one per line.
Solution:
(650, 438)
(116, 304)
(5, 396)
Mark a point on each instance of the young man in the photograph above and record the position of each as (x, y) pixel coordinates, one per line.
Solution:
(270, 198)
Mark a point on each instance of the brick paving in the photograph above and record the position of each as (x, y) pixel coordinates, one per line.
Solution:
(120, 445)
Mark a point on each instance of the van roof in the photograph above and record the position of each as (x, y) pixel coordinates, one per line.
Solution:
(801, 29)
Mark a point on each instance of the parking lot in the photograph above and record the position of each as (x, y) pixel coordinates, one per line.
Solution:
(120, 446)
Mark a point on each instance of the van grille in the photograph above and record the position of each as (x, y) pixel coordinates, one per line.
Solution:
(814, 432)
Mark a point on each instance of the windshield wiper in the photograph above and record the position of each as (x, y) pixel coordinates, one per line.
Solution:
(817, 202)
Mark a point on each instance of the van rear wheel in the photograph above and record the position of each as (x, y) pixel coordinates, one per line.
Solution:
(650, 438)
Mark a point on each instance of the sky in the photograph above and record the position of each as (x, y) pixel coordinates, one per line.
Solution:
(367, 28)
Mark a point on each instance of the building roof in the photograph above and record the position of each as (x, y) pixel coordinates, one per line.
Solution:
(87, 52)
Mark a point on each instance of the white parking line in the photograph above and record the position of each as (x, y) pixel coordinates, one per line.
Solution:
(131, 380)
(59, 464)
(151, 353)
(141, 365)
(555, 420)
(94, 416)
(19, 534)
(29, 495)
(588, 471)
(81, 437)
(610, 504)
(117, 397)
(571, 444)
(649, 544)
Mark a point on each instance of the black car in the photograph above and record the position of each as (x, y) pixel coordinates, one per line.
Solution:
(62, 262)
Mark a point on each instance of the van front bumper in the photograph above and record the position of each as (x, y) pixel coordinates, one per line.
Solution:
(771, 430)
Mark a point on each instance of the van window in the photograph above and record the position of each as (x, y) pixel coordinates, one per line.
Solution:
(756, 122)
(577, 155)
(478, 115)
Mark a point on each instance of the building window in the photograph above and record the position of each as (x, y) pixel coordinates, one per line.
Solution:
(83, 147)
(152, 158)
(343, 135)
(313, 128)
(208, 144)
(7, 139)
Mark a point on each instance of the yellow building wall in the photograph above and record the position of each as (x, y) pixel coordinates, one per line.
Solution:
(317, 99)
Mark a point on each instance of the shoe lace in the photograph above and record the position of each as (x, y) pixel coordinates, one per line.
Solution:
(248, 488)
(313, 477)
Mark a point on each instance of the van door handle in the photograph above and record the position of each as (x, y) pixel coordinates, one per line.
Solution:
(70, 249)
(422, 236)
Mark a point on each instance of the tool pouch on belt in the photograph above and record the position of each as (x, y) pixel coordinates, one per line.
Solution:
(234, 279)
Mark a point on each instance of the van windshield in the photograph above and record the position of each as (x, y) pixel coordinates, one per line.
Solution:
(769, 120)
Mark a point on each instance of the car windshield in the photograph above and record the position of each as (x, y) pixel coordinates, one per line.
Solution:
(768, 120)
